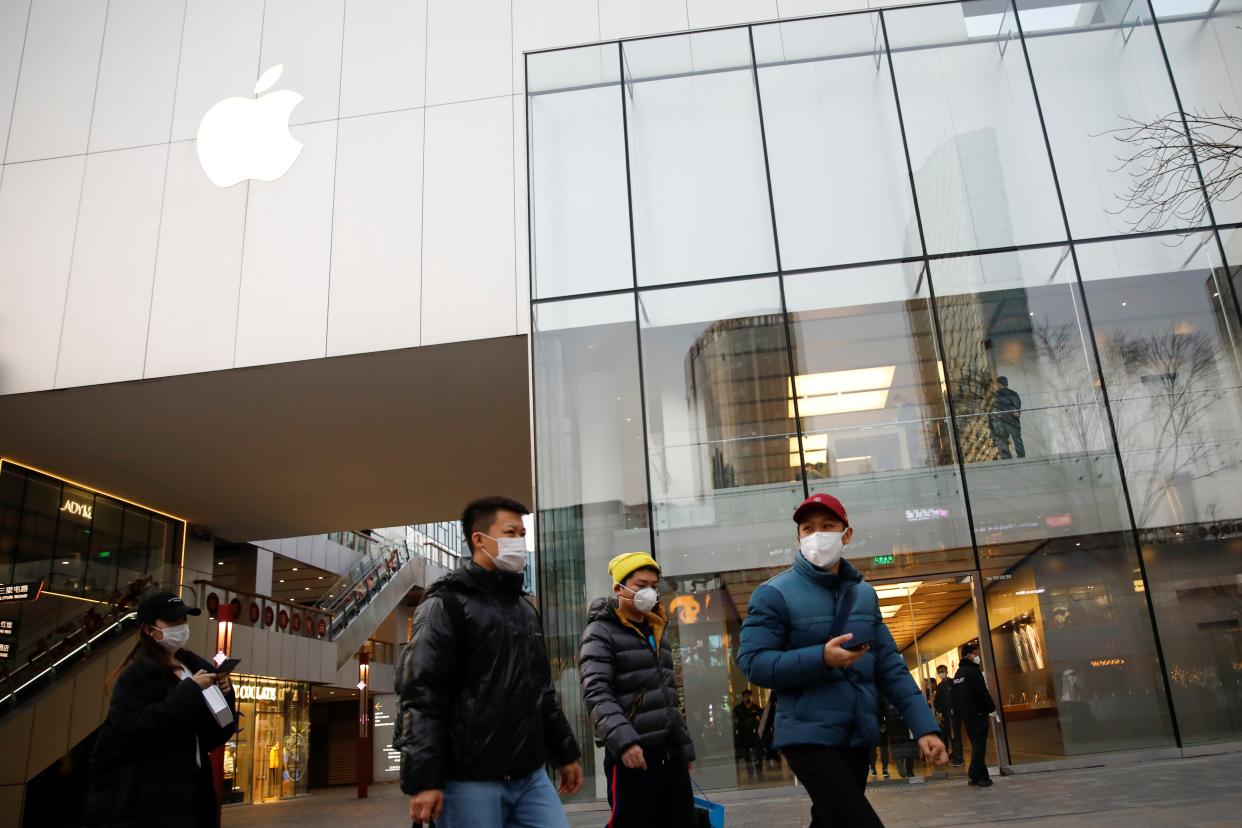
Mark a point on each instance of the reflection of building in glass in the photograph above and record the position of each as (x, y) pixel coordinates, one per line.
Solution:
(738, 376)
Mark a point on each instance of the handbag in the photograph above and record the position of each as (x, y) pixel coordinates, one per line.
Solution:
(707, 814)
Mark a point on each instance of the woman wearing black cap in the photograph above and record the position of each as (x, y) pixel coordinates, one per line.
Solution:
(150, 765)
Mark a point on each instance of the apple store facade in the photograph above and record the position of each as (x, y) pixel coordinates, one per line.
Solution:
(971, 267)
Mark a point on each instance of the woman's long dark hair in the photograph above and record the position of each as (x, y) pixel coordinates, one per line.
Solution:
(147, 649)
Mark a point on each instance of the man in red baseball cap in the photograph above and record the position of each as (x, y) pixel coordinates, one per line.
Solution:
(814, 634)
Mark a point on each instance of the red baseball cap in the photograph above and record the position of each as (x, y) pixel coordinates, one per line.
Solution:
(820, 501)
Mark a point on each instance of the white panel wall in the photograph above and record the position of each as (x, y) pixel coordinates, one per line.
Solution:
(377, 234)
(137, 74)
(13, 17)
(469, 289)
(398, 226)
(113, 266)
(56, 89)
(469, 50)
(197, 271)
(219, 58)
(305, 36)
(38, 212)
(283, 306)
(384, 56)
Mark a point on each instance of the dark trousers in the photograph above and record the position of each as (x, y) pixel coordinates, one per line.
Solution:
(836, 779)
(658, 796)
(1004, 431)
(977, 732)
(882, 749)
(951, 727)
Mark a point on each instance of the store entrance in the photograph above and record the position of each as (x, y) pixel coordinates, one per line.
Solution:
(931, 619)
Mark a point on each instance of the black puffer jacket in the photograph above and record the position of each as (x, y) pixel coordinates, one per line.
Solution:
(143, 772)
(477, 700)
(632, 698)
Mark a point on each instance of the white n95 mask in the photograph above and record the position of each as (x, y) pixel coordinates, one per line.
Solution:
(823, 549)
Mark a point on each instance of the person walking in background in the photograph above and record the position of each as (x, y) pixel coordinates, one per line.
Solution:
(973, 705)
(882, 748)
(151, 765)
(746, 715)
(1006, 419)
(630, 688)
(479, 718)
(900, 741)
(949, 724)
(814, 634)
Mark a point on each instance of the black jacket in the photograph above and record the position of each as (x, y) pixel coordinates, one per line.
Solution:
(943, 699)
(971, 698)
(143, 772)
(477, 700)
(632, 697)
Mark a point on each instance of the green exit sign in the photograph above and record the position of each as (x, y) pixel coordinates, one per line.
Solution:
(883, 560)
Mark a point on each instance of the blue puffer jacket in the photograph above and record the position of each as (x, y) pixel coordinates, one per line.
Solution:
(782, 645)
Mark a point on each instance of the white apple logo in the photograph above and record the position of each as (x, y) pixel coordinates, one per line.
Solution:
(243, 138)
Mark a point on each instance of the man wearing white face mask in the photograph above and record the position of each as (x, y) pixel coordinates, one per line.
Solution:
(631, 692)
(479, 715)
(814, 634)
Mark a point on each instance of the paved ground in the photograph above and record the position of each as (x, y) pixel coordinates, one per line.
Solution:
(1178, 793)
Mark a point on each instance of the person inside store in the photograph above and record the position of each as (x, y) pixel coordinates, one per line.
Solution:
(949, 724)
(880, 751)
(973, 706)
(630, 689)
(479, 717)
(900, 741)
(746, 716)
(814, 634)
(150, 766)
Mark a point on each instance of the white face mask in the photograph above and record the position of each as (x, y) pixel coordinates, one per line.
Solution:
(510, 553)
(644, 599)
(175, 638)
(823, 549)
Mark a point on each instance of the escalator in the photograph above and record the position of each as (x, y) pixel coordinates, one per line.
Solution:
(376, 585)
(53, 685)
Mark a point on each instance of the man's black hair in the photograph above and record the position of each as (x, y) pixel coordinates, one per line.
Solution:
(480, 514)
(1003, 381)
(969, 649)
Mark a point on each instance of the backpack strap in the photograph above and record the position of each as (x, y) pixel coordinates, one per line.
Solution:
(845, 605)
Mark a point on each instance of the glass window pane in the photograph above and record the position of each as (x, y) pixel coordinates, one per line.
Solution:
(73, 535)
(980, 163)
(1168, 334)
(696, 159)
(716, 374)
(1111, 117)
(578, 202)
(132, 560)
(37, 543)
(1074, 646)
(105, 544)
(591, 473)
(875, 420)
(839, 176)
(1206, 56)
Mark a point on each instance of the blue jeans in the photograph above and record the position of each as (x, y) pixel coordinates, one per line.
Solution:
(521, 803)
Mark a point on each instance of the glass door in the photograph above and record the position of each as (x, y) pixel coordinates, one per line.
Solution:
(931, 619)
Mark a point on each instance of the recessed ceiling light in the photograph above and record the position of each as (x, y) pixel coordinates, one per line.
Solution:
(66, 563)
(295, 569)
(282, 580)
(306, 588)
(219, 563)
(321, 577)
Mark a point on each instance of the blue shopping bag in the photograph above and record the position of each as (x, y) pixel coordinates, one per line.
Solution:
(707, 813)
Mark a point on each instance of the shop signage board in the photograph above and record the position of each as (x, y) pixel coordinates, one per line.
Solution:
(12, 593)
(8, 628)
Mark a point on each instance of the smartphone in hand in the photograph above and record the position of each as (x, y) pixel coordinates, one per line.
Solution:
(227, 666)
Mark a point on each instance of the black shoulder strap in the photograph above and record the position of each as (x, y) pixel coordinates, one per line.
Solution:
(845, 604)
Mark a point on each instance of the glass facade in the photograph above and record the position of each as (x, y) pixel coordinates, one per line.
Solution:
(969, 266)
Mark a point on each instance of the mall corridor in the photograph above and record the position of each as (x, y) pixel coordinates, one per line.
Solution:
(1201, 792)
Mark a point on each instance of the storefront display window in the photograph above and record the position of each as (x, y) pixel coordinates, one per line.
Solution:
(267, 758)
